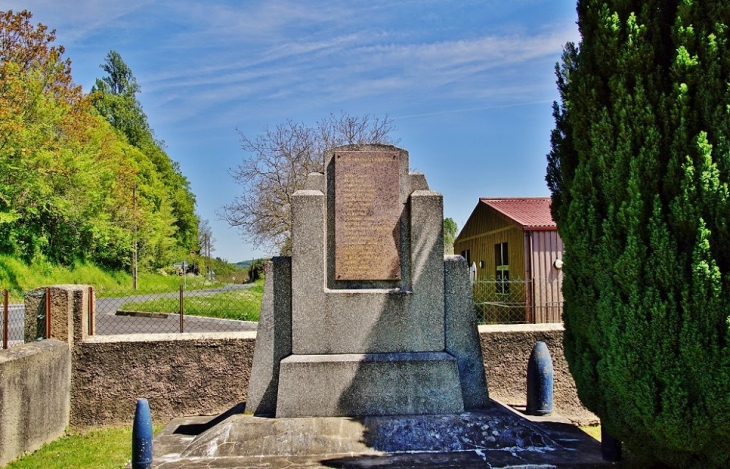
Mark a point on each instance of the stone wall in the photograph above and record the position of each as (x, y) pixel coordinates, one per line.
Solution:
(95, 380)
(506, 349)
(207, 374)
(179, 374)
(35, 385)
(69, 313)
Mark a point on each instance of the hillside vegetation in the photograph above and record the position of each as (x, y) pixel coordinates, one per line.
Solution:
(82, 175)
(18, 277)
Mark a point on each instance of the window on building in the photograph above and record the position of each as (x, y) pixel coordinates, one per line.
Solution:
(501, 262)
(466, 255)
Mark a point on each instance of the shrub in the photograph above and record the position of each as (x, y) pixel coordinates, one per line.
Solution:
(639, 173)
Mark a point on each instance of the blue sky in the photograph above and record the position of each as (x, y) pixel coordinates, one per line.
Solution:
(468, 84)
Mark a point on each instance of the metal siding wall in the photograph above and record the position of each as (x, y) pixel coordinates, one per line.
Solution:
(482, 219)
(481, 246)
(546, 248)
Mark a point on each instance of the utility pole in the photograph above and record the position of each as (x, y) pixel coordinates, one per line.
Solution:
(134, 246)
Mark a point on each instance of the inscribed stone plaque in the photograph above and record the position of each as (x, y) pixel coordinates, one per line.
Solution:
(367, 215)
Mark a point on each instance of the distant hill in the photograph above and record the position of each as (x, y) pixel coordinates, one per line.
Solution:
(247, 264)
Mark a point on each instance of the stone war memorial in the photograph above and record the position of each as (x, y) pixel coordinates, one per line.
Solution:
(367, 317)
(367, 351)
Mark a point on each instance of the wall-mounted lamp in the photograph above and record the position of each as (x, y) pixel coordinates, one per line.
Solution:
(558, 264)
(481, 264)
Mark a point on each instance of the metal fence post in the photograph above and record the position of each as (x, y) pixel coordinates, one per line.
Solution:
(91, 310)
(48, 312)
(6, 315)
(182, 311)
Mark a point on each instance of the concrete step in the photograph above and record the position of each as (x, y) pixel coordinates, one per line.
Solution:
(497, 438)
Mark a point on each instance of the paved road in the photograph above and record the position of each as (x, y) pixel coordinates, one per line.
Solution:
(108, 323)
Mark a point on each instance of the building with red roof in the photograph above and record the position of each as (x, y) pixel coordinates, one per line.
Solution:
(514, 248)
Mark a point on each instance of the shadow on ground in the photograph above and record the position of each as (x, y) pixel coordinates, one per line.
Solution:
(497, 437)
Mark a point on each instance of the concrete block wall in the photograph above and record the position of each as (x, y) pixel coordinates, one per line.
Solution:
(506, 349)
(179, 374)
(35, 388)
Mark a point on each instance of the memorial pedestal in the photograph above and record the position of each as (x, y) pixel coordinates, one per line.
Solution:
(420, 383)
(370, 325)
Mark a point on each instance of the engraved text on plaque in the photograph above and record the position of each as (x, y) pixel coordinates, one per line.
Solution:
(367, 215)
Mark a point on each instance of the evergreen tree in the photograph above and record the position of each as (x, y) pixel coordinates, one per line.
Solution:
(115, 97)
(639, 172)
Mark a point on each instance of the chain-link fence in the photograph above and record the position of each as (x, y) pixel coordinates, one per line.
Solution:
(11, 321)
(223, 307)
(518, 301)
(227, 307)
(235, 307)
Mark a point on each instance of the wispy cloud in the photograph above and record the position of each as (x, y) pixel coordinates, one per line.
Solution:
(344, 68)
(464, 110)
(226, 56)
(76, 20)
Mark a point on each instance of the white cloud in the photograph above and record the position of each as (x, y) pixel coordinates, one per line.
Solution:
(342, 69)
(196, 56)
(75, 20)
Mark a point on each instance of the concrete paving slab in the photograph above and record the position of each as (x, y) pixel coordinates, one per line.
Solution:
(498, 437)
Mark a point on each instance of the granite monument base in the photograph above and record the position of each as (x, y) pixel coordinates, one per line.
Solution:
(369, 384)
(495, 438)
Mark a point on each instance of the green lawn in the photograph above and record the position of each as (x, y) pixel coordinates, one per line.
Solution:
(105, 448)
(593, 430)
(242, 305)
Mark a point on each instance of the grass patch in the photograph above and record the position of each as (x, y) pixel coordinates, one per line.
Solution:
(242, 305)
(18, 277)
(154, 283)
(104, 448)
(594, 431)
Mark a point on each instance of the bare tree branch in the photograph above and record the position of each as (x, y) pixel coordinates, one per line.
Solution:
(277, 163)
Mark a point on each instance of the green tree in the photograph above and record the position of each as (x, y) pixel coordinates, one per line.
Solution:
(66, 174)
(450, 231)
(58, 168)
(115, 98)
(639, 171)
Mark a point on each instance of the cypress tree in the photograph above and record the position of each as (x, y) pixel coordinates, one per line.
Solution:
(639, 171)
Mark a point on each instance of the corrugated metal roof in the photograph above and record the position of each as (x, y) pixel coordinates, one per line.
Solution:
(532, 213)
